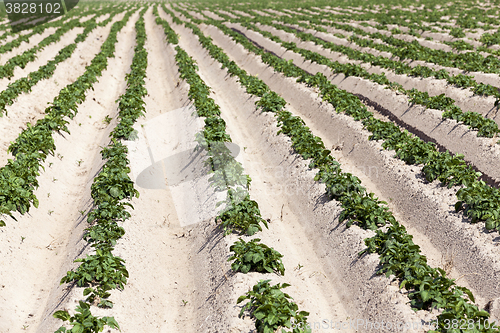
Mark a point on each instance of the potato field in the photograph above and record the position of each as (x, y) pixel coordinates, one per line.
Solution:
(256, 166)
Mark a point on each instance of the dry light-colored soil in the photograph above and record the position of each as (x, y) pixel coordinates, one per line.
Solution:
(180, 279)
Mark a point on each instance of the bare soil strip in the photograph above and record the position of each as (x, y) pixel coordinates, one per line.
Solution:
(38, 249)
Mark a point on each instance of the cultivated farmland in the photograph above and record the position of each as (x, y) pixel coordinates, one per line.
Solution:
(300, 166)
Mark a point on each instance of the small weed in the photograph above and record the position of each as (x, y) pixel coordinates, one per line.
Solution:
(107, 120)
(90, 117)
(22, 239)
(82, 212)
(79, 124)
(299, 266)
(50, 212)
(79, 162)
(54, 179)
(59, 156)
(48, 195)
(448, 261)
(184, 302)
(50, 164)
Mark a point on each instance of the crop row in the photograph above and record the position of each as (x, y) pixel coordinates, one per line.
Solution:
(18, 178)
(415, 30)
(398, 66)
(27, 56)
(40, 29)
(428, 287)
(466, 16)
(24, 85)
(479, 201)
(485, 127)
(266, 303)
(111, 190)
(468, 61)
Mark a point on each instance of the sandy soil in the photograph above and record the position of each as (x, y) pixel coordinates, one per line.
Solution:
(31, 107)
(486, 78)
(405, 206)
(31, 268)
(180, 280)
(483, 152)
(463, 97)
(33, 41)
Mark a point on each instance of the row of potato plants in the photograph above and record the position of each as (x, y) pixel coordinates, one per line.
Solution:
(428, 287)
(25, 84)
(271, 308)
(18, 178)
(21, 60)
(367, 18)
(399, 67)
(468, 61)
(111, 191)
(7, 47)
(479, 201)
(485, 127)
(466, 17)
(458, 43)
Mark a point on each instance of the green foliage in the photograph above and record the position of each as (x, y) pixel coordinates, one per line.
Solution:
(480, 202)
(18, 179)
(102, 269)
(131, 104)
(271, 102)
(457, 33)
(83, 321)
(254, 256)
(490, 39)
(102, 272)
(273, 309)
(172, 37)
(241, 214)
(460, 45)
(303, 141)
(450, 169)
